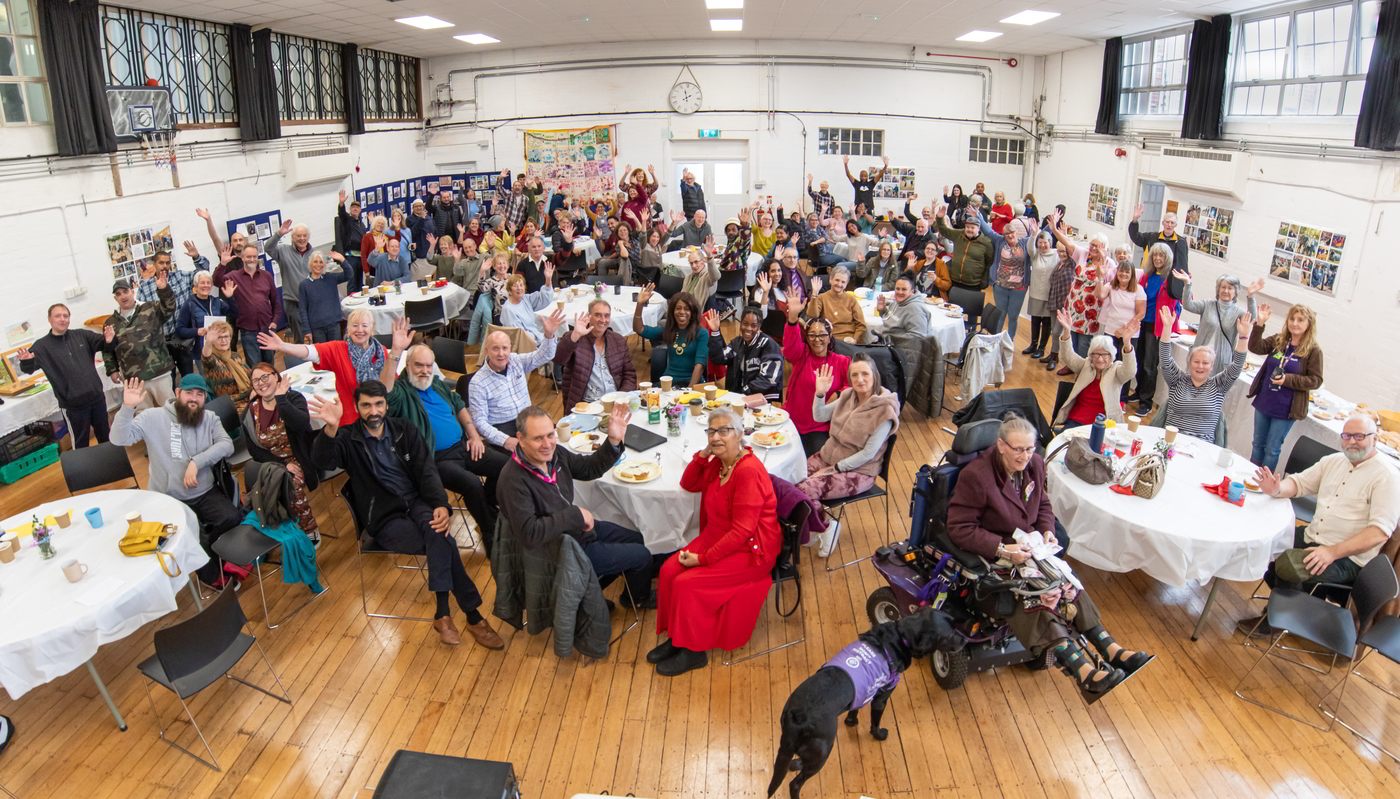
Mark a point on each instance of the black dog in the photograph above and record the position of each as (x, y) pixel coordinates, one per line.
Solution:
(878, 658)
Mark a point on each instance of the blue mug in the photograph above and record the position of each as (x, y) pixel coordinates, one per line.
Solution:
(94, 517)
(1236, 490)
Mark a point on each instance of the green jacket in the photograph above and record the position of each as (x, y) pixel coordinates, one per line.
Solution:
(971, 263)
(138, 349)
(405, 403)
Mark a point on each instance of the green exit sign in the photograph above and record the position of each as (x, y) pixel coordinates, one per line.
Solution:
(708, 133)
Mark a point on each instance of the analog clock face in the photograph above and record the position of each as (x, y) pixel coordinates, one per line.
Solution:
(685, 98)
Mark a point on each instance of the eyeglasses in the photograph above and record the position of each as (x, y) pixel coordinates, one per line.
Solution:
(720, 431)
(1357, 437)
(264, 378)
(816, 336)
(1021, 450)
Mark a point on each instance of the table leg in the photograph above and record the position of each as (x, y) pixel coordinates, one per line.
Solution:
(194, 592)
(1205, 611)
(102, 689)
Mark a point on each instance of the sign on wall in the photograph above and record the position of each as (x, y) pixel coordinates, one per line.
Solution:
(578, 162)
(1308, 256)
(1207, 229)
(1103, 204)
(897, 183)
(131, 251)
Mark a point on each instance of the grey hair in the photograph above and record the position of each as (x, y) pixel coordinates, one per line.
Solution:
(1122, 248)
(597, 302)
(314, 255)
(1201, 348)
(1102, 342)
(298, 227)
(841, 270)
(1013, 424)
(202, 273)
(1018, 209)
(1101, 238)
(1169, 217)
(864, 357)
(727, 413)
(1165, 250)
(1370, 422)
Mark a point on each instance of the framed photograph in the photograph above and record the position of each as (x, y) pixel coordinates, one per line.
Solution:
(11, 369)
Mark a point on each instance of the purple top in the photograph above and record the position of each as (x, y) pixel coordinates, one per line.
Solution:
(1276, 401)
(868, 669)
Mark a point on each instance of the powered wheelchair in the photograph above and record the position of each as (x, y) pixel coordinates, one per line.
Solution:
(928, 569)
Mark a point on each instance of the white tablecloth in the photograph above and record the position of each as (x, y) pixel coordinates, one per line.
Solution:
(454, 299)
(1184, 534)
(302, 373)
(44, 631)
(20, 411)
(667, 515)
(949, 330)
(623, 307)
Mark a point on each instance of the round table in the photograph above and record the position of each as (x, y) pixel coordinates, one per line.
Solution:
(49, 626)
(623, 307)
(1184, 534)
(665, 514)
(454, 299)
(949, 330)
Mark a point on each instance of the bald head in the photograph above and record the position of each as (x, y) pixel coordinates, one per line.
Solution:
(497, 348)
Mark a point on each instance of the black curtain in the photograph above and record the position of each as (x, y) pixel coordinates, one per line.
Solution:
(1204, 115)
(1378, 124)
(354, 99)
(70, 33)
(254, 83)
(1109, 87)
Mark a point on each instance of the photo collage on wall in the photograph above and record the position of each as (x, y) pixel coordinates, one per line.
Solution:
(1103, 204)
(578, 162)
(897, 183)
(130, 252)
(257, 234)
(1207, 229)
(1308, 256)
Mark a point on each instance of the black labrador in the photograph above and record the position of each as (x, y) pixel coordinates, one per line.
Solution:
(875, 661)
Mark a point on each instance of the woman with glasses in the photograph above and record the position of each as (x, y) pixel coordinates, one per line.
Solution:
(808, 348)
(861, 420)
(224, 372)
(1196, 395)
(711, 591)
(1098, 381)
(839, 308)
(277, 427)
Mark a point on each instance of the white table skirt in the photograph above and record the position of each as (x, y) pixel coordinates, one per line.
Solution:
(454, 299)
(665, 514)
(1184, 534)
(623, 308)
(20, 411)
(949, 330)
(325, 387)
(44, 632)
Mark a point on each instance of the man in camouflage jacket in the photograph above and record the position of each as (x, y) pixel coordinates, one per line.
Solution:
(135, 340)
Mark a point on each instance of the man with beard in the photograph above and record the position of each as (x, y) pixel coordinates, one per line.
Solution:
(441, 417)
(1358, 506)
(971, 264)
(184, 443)
(398, 497)
(753, 359)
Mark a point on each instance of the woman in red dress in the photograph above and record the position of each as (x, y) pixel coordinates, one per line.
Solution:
(713, 589)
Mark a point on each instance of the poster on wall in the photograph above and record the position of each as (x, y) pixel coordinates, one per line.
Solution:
(897, 184)
(576, 162)
(1207, 229)
(1103, 204)
(1308, 256)
(131, 251)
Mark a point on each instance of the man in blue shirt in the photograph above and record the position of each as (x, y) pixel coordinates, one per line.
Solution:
(442, 418)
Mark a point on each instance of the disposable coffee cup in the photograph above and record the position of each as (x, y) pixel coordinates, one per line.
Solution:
(133, 518)
(9, 542)
(666, 382)
(1226, 458)
(710, 392)
(607, 405)
(644, 387)
(6, 554)
(697, 406)
(74, 570)
(559, 304)
(1171, 434)
(64, 519)
(1133, 423)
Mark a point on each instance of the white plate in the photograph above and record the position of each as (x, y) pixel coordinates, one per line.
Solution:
(355, 300)
(754, 440)
(581, 422)
(653, 471)
(580, 443)
(594, 409)
(779, 415)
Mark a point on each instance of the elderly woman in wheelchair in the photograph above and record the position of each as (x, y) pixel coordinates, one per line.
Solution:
(1000, 492)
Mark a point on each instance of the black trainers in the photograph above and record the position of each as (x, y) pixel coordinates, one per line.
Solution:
(684, 660)
(662, 651)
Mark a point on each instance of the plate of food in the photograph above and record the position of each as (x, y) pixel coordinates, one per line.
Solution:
(956, 313)
(769, 416)
(580, 422)
(355, 300)
(636, 471)
(769, 439)
(1325, 416)
(1251, 486)
(587, 443)
(594, 408)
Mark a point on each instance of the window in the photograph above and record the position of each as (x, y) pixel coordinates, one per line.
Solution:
(189, 57)
(987, 150)
(850, 141)
(1154, 75)
(23, 92)
(1308, 62)
(308, 76)
(390, 86)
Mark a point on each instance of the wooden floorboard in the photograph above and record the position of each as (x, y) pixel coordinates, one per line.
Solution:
(364, 688)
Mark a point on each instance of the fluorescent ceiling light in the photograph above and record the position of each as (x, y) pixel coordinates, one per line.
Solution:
(477, 38)
(1030, 17)
(426, 23)
(979, 36)
(724, 3)
(726, 24)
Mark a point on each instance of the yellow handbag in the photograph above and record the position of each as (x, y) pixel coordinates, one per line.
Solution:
(146, 538)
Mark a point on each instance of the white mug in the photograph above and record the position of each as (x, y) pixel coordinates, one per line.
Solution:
(74, 570)
(1226, 458)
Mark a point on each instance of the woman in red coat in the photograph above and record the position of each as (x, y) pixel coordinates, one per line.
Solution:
(713, 589)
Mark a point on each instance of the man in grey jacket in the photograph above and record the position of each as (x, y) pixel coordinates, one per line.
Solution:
(294, 259)
(184, 442)
(692, 232)
(906, 315)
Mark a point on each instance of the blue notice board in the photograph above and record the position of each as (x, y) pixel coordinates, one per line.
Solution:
(258, 228)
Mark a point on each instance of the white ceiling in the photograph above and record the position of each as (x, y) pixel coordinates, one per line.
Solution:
(536, 23)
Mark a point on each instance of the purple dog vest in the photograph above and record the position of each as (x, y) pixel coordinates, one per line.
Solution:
(868, 669)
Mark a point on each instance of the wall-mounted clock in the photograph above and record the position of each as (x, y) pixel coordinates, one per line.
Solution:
(686, 97)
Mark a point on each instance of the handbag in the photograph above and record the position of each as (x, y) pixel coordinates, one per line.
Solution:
(147, 538)
(1083, 462)
(1146, 474)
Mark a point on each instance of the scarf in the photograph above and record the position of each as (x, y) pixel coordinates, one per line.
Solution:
(367, 360)
(235, 368)
(852, 426)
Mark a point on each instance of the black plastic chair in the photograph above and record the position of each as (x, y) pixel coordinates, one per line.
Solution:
(669, 286)
(450, 354)
(972, 303)
(1383, 637)
(291, 361)
(874, 492)
(414, 775)
(228, 417)
(731, 286)
(786, 569)
(192, 655)
(1062, 390)
(992, 319)
(97, 465)
(425, 315)
(613, 279)
(1328, 626)
(1306, 452)
(367, 546)
(387, 339)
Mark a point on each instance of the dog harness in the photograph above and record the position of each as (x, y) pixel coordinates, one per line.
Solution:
(868, 669)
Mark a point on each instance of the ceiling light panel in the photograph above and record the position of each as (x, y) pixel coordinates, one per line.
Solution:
(724, 3)
(477, 38)
(726, 24)
(426, 23)
(1030, 17)
(979, 36)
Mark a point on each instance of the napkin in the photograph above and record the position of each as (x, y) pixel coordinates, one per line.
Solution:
(1222, 490)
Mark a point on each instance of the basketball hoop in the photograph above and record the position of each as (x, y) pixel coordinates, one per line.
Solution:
(159, 146)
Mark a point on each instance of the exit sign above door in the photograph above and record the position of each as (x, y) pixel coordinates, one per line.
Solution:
(708, 133)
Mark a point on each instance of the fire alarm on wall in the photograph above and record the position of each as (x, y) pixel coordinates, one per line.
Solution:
(1120, 152)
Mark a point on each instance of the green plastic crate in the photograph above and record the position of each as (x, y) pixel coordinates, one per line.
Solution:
(29, 464)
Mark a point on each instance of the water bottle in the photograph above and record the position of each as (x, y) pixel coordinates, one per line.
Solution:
(879, 281)
(1096, 434)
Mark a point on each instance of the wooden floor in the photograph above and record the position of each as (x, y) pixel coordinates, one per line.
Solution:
(364, 688)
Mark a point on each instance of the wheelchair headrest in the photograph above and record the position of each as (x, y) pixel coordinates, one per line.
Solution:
(974, 437)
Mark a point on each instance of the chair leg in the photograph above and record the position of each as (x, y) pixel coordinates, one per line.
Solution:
(364, 601)
(1336, 714)
(840, 516)
(214, 765)
(285, 697)
(1278, 637)
(636, 614)
(267, 614)
(772, 649)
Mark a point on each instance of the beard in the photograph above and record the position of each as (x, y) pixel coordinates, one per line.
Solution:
(374, 421)
(420, 383)
(1356, 455)
(188, 415)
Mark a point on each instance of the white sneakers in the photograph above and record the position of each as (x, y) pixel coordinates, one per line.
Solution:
(826, 540)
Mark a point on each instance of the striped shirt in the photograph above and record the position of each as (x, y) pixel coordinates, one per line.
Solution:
(180, 281)
(497, 397)
(1196, 410)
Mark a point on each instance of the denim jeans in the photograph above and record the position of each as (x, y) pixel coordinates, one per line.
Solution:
(251, 353)
(321, 335)
(617, 550)
(1080, 342)
(1269, 434)
(481, 317)
(1009, 301)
